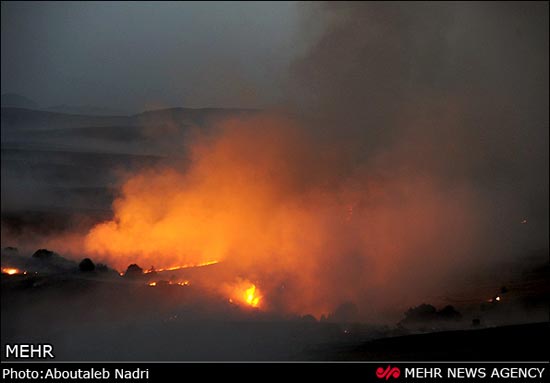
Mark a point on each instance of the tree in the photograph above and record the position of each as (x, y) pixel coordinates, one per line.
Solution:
(86, 265)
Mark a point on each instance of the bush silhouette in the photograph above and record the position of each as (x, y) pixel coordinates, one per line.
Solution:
(86, 265)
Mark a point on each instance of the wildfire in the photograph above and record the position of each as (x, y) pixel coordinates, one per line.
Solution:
(246, 293)
(179, 283)
(12, 271)
(251, 297)
(273, 203)
(188, 266)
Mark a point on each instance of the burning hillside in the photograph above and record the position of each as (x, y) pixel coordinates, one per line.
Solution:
(275, 204)
(396, 162)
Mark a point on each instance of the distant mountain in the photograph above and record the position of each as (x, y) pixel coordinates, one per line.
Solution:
(24, 118)
(158, 132)
(183, 117)
(62, 171)
(17, 101)
(14, 118)
(86, 110)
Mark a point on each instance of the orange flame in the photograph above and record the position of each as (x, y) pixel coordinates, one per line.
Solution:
(251, 296)
(263, 197)
(246, 293)
(173, 268)
(180, 283)
(12, 271)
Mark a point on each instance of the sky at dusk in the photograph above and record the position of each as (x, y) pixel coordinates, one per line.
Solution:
(135, 56)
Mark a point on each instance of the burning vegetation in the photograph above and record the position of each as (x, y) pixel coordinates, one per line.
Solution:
(12, 271)
(174, 268)
(395, 169)
(265, 199)
(244, 292)
(168, 283)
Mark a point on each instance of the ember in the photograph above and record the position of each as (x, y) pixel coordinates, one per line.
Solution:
(179, 283)
(12, 271)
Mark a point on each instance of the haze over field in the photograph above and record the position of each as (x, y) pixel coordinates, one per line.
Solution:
(365, 157)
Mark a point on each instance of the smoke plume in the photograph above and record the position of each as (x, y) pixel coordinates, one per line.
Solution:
(412, 145)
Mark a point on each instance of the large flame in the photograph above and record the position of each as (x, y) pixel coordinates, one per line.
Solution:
(273, 204)
(244, 292)
(251, 296)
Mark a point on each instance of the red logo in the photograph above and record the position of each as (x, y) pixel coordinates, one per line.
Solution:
(389, 372)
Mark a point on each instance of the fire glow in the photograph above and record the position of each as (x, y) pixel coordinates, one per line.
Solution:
(12, 271)
(170, 283)
(265, 199)
(245, 293)
(252, 297)
(174, 268)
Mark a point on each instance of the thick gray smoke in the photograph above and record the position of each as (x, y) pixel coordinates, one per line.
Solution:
(456, 91)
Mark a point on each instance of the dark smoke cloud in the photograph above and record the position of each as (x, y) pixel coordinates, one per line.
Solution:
(457, 91)
(424, 150)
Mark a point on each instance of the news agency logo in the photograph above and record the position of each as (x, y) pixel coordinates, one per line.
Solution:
(389, 372)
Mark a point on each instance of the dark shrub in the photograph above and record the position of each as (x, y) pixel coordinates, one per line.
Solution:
(86, 265)
(43, 254)
(448, 313)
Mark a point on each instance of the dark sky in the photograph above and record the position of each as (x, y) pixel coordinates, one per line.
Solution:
(135, 56)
